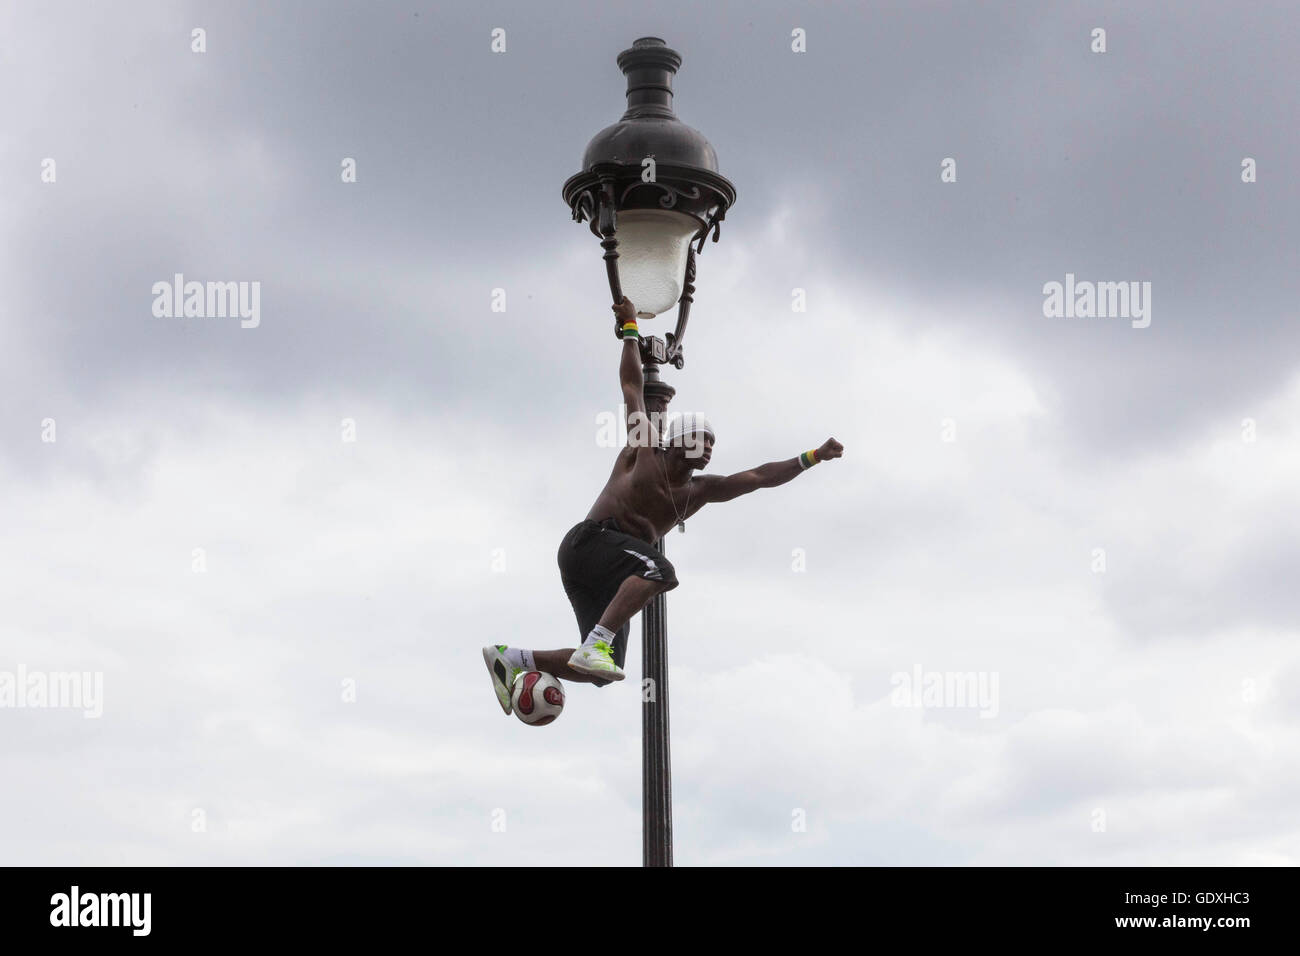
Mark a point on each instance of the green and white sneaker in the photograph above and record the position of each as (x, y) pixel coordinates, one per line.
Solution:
(503, 674)
(596, 660)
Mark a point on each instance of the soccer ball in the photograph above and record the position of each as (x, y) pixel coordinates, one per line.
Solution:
(538, 698)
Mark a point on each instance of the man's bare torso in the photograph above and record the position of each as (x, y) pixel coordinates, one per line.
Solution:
(638, 495)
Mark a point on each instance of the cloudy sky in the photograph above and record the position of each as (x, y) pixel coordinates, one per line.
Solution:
(1098, 520)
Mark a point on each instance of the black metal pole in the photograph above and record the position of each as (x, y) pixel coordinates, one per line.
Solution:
(656, 757)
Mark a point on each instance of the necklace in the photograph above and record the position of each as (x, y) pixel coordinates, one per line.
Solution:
(681, 516)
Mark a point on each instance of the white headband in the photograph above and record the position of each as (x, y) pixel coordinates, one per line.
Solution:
(686, 423)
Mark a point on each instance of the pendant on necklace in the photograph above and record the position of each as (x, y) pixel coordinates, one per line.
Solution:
(681, 526)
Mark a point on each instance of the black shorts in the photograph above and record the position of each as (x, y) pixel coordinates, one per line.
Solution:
(595, 559)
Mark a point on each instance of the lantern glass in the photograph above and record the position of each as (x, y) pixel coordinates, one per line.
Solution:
(652, 248)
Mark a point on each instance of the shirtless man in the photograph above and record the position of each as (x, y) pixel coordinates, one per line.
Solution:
(608, 566)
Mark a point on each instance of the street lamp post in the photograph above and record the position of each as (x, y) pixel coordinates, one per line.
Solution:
(651, 191)
(656, 757)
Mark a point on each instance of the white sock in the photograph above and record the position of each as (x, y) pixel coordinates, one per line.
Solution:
(599, 633)
(520, 657)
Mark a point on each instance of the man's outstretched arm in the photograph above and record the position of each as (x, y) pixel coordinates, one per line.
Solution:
(630, 375)
(726, 487)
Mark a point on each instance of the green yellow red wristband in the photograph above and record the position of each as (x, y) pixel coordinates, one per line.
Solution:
(808, 459)
(630, 331)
